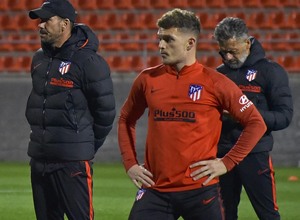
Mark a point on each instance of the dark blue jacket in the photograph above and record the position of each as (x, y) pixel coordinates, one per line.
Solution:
(71, 107)
(266, 84)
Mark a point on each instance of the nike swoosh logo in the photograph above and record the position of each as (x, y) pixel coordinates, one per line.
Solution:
(154, 90)
(36, 66)
(259, 172)
(75, 174)
(207, 201)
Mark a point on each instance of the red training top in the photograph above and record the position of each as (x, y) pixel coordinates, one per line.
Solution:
(184, 122)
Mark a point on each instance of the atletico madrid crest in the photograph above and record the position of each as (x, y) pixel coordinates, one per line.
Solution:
(140, 194)
(195, 92)
(251, 75)
(64, 67)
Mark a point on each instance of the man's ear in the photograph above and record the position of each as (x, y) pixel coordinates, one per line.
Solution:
(66, 22)
(190, 43)
(248, 43)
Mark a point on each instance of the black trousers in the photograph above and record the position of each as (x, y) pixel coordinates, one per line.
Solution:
(199, 204)
(62, 188)
(256, 174)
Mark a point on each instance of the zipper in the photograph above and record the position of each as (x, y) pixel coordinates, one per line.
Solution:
(74, 112)
(45, 95)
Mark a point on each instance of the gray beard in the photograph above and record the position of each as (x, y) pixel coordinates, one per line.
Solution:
(238, 64)
(234, 65)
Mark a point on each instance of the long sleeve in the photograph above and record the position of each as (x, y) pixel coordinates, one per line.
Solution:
(244, 111)
(280, 103)
(101, 101)
(131, 111)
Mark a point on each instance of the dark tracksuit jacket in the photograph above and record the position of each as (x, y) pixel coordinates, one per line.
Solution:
(266, 84)
(71, 107)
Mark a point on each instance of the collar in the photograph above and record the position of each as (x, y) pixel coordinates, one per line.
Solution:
(185, 70)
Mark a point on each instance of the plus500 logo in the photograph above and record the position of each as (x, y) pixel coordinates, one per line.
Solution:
(174, 115)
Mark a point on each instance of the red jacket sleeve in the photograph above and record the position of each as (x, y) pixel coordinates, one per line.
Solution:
(131, 111)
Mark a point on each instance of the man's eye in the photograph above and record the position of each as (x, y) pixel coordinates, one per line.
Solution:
(230, 52)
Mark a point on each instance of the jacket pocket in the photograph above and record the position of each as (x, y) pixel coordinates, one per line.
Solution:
(72, 113)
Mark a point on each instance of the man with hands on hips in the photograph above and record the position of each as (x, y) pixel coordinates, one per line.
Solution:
(212, 168)
(185, 101)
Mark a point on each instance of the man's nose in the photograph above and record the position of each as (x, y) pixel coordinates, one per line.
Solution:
(228, 56)
(160, 44)
(41, 24)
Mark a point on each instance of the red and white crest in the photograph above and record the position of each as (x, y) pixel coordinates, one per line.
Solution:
(251, 75)
(195, 92)
(64, 67)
